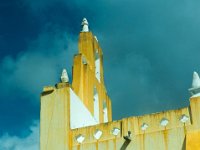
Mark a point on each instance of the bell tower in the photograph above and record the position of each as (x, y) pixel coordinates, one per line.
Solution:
(88, 79)
(79, 115)
(83, 103)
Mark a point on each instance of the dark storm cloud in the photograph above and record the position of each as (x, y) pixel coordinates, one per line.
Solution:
(23, 77)
(17, 26)
(150, 50)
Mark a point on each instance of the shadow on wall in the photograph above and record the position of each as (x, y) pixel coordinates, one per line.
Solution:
(184, 144)
(47, 92)
(125, 145)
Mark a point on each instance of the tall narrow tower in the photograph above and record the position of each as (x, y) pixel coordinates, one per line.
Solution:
(78, 116)
(83, 103)
(88, 79)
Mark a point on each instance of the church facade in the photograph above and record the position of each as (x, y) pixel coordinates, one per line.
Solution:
(78, 116)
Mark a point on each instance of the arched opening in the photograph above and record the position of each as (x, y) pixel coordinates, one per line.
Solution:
(96, 105)
(105, 111)
(97, 66)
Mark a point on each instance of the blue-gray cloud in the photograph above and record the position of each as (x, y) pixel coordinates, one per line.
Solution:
(24, 76)
(166, 36)
(150, 50)
(30, 142)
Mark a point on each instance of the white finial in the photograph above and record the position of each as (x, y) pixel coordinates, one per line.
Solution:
(196, 80)
(64, 77)
(85, 25)
(195, 90)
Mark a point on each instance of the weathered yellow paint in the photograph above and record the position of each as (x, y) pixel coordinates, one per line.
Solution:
(54, 119)
(84, 80)
(55, 132)
(193, 140)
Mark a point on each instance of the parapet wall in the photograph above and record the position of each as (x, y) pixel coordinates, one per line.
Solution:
(85, 102)
(176, 135)
(55, 132)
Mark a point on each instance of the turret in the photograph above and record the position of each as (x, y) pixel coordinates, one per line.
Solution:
(195, 89)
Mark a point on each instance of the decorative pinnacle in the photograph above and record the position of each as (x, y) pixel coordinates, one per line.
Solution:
(85, 25)
(196, 80)
(64, 77)
(195, 90)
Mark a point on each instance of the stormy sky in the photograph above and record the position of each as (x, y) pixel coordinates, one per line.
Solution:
(151, 48)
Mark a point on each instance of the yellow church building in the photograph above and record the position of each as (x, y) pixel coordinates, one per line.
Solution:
(78, 116)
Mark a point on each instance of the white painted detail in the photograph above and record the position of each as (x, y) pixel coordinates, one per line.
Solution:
(105, 112)
(195, 90)
(97, 69)
(64, 77)
(79, 114)
(196, 95)
(115, 131)
(84, 61)
(105, 115)
(96, 38)
(184, 118)
(98, 134)
(85, 25)
(164, 122)
(80, 138)
(144, 126)
(196, 80)
(96, 105)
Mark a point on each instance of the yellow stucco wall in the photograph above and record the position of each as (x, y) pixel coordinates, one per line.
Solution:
(193, 140)
(55, 132)
(84, 80)
(156, 137)
(54, 118)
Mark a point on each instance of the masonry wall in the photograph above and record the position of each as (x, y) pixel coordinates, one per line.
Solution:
(84, 79)
(54, 118)
(55, 131)
(56, 134)
(193, 134)
(175, 136)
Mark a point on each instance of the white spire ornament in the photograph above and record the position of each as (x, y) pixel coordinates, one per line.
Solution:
(64, 77)
(195, 90)
(196, 80)
(85, 25)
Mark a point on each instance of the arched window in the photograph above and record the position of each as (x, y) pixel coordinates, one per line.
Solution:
(96, 105)
(105, 111)
(97, 66)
